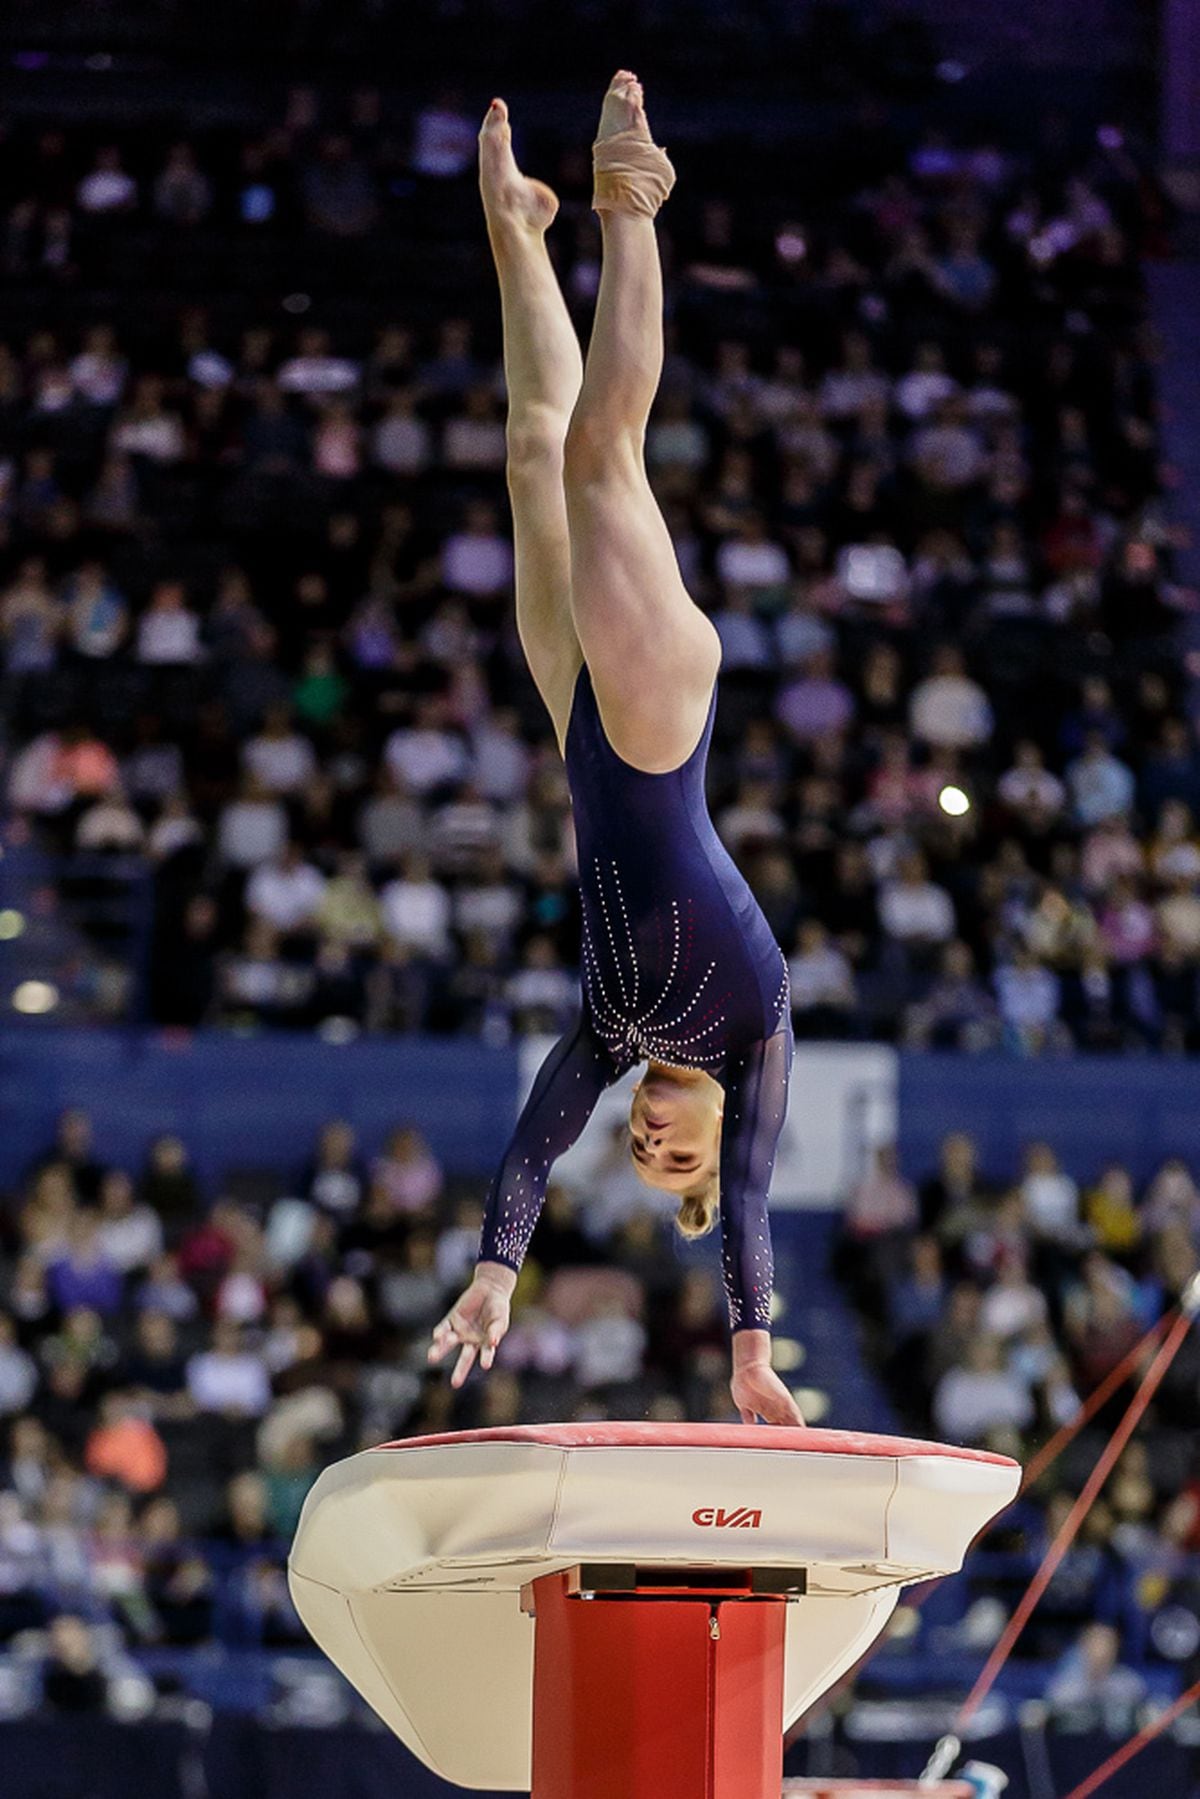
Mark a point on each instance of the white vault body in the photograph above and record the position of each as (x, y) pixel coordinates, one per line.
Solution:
(409, 1560)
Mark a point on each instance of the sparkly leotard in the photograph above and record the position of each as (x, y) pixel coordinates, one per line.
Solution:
(679, 966)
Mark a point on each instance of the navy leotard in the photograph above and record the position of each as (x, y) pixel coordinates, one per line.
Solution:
(679, 966)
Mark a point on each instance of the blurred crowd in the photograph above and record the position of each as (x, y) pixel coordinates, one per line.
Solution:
(994, 1309)
(256, 609)
(174, 1373)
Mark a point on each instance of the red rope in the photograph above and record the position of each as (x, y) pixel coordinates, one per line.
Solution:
(1135, 1745)
(1083, 1505)
(1050, 1452)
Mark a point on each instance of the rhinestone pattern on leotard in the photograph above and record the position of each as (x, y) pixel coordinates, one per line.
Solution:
(678, 966)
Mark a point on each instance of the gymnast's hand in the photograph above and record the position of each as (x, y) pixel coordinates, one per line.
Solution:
(757, 1390)
(476, 1324)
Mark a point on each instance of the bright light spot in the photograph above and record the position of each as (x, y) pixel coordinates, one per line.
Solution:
(778, 1305)
(812, 1402)
(11, 924)
(35, 997)
(954, 802)
(787, 1355)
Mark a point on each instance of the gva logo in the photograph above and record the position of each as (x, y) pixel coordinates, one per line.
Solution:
(715, 1517)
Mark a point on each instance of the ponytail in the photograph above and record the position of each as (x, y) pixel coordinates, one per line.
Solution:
(699, 1209)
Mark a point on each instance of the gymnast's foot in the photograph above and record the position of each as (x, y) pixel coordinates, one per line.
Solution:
(512, 201)
(633, 175)
(624, 108)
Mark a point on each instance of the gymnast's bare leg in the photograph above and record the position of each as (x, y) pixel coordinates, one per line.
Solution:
(543, 369)
(651, 654)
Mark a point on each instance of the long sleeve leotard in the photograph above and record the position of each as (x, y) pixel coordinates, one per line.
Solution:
(679, 966)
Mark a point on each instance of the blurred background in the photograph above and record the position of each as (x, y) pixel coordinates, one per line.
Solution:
(287, 896)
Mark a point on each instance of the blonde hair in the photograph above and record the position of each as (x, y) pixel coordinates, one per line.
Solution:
(700, 1208)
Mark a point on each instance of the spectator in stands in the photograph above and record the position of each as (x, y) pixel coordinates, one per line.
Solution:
(1091, 1685)
(980, 1397)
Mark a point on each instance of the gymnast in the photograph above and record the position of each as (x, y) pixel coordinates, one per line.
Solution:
(680, 970)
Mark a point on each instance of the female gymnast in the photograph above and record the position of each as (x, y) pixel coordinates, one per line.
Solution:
(680, 969)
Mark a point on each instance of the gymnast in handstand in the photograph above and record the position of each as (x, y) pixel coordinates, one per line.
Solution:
(680, 970)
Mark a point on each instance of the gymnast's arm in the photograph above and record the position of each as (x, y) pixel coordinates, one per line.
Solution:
(756, 1096)
(563, 1098)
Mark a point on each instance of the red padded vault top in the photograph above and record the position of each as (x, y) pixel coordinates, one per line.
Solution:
(703, 1436)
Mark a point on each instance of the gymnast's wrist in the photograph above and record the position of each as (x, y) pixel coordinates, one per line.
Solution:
(751, 1349)
(498, 1275)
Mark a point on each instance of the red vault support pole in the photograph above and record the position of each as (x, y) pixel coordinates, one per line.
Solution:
(656, 1693)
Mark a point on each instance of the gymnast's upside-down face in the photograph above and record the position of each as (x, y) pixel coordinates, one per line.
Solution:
(675, 1130)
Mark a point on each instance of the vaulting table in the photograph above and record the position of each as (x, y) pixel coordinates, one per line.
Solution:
(623, 1611)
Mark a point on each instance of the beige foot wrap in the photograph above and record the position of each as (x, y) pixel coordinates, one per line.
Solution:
(631, 174)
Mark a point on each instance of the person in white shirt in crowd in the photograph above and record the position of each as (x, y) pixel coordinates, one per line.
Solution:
(401, 441)
(1013, 1305)
(286, 892)
(1028, 996)
(855, 382)
(147, 428)
(980, 1397)
(1029, 789)
(416, 910)
(18, 1371)
(229, 1378)
(110, 825)
(107, 187)
(37, 781)
(800, 631)
(475, 438)
(676, 441)
(752, 561)
(883, 1202)
(131, 1232)
(913, 909)
(822, 982)
(541, 994)
(461, 828)
(948, 709)
(390, 823)
(255, 978)
(1050, 1199)
(280, 757)
(501, 758)
(478, 559)
(251, 828)
(428, 754)
(1091, 1682)
(610, 1345)
(489, 901)
(444, 137)
(927, 384)
(745, 638)
(168, 632)
(176, 828)
(315, 372)
(1100, 785)
(100, 371)
(946, 451)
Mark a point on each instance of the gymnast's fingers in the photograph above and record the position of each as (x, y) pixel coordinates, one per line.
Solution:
(464, 1364)
(445, 1336)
